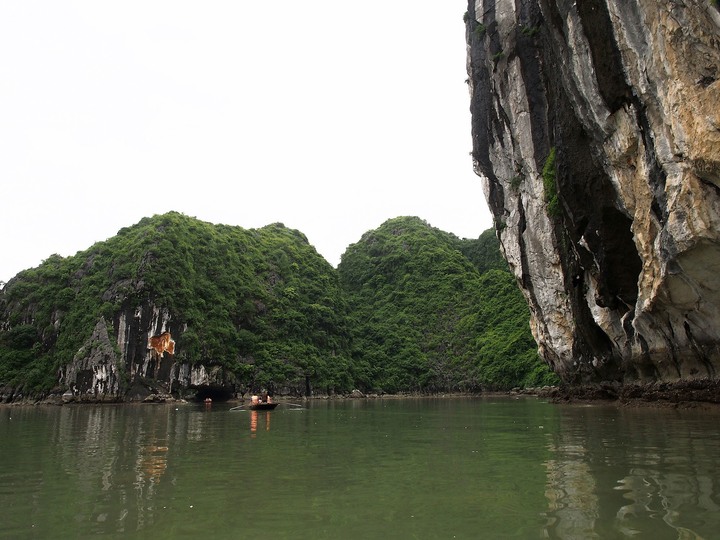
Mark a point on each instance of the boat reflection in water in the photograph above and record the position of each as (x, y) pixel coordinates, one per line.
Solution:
(254, 421)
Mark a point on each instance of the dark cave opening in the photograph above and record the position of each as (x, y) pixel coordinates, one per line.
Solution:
(215, 393)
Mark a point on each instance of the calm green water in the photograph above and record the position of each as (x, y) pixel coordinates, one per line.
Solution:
(426, 468)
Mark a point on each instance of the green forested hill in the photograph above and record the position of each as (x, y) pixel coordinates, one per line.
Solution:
(261, 303)
(432, 312)
(410, 308)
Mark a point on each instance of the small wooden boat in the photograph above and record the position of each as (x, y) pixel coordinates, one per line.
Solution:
(262, 406)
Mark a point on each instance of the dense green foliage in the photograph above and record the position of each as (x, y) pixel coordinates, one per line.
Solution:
(261, 303)
(484, 252)
(409, 309)
(432, 312)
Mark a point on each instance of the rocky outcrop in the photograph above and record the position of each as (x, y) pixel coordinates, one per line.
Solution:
(96, 371)
(140, 365)
(596, 131)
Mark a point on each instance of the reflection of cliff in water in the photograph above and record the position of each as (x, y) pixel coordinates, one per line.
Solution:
(625, 472)
(123, 457)
(572, 503)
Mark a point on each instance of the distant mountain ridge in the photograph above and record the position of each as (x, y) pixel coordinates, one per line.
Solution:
(244, 309)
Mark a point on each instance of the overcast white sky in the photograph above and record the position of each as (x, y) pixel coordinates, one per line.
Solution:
(330, 117)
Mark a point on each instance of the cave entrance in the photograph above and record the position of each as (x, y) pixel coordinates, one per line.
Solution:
(620, 264)
(215, 393)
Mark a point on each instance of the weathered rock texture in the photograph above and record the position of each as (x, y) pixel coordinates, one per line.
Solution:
(96, 370)
(140, 363)
(622, 269)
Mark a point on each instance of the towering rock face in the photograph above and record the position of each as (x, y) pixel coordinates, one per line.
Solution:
(596, 131)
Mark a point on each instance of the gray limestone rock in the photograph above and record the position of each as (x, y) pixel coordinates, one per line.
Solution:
(95, 371)
(617, 246)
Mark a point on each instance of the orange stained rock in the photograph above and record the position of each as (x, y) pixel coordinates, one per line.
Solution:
(162, 343)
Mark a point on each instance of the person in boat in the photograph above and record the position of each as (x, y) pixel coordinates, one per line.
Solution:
(264, 398)
(254, 400)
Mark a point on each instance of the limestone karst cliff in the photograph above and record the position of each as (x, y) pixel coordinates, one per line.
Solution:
(596, 131)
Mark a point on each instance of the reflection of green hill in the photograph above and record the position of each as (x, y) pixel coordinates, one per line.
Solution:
(433, 312)
(353, 469)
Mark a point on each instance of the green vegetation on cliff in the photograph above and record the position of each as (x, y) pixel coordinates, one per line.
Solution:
(431, 312)
(410, 308)
(261, 303)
